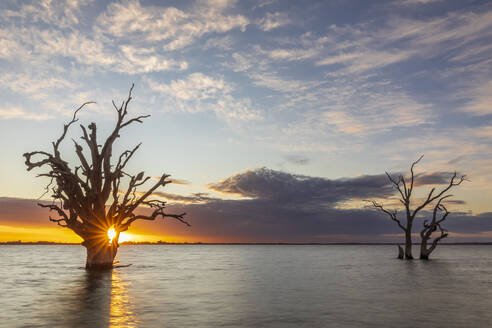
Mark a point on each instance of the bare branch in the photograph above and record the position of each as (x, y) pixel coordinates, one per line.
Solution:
(393, 215)
(67, 126)
(396, 184)
(412, 175)
(430, 198)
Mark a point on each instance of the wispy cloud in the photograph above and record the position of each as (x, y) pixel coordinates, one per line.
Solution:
(174, 27)
(199, 92)
(481, 101)
(34, 86)
(273, 20)
(64, 14)
(297, 159)
(7, 113)
(196, 198)
(415, 2)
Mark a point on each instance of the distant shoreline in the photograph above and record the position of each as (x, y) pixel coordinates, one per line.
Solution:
(200, 243)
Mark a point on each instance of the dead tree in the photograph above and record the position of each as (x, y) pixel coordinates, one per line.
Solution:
(90, 199)
(405, 189)
(430, 228)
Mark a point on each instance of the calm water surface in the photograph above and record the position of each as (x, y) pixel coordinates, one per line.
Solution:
(246, 286)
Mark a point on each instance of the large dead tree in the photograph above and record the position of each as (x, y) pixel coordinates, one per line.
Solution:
(405, 188)
(431, 227)
(98, 194)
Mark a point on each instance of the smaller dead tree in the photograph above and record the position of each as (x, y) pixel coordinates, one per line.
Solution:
(405, 187)
(430, 228)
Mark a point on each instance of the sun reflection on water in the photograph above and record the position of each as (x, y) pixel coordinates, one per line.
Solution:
(121, 314)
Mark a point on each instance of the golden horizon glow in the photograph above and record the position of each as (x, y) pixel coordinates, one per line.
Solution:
(36, 233)
(9, 233)
(125, 236)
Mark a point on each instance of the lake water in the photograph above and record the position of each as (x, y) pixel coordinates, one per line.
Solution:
(246, 286)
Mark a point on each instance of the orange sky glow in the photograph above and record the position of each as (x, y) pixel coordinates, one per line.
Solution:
(64, 235)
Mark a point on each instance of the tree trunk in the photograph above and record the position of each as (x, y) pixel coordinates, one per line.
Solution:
(401, 253)
(100, 255)
(408, 243)
(424, 254)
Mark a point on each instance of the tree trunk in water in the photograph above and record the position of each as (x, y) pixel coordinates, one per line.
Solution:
(408, 244)
(100, 256)
(424, 252)
(401, 253)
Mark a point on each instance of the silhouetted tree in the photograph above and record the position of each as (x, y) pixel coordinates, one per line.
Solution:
(405, 190)
(89, 199)
(432, 227)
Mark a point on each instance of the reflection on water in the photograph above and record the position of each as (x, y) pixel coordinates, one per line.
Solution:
(100, 300)
(64, 296)
(88, 302)
(121, 314)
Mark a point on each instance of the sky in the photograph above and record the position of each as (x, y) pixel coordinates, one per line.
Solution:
(276, 118)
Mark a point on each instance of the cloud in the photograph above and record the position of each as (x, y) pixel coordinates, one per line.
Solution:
(34, 85)
(297, 159)
(290, 189)
(141, 60)
(174, 181)
(180, 181)
(9, 48)
(263, 3)
(8, 113)
(360, 48)
(224, 43)
(174, 27)
(481, 102)
(455, 202)
(364, 110)
(273, 21)
(288, 54)
(199, 92)
(48, 43)
(458, 158)
(195, 86)
(415, 2)
(63, 13)
(360, 61)
(435, 178)
(278, 83)
(195, 198)
(241, 63)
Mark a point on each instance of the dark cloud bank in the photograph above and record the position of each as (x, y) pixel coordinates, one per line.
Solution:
(284, 207)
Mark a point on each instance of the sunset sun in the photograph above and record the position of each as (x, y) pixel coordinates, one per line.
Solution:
(111, 234)
(124, 236)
